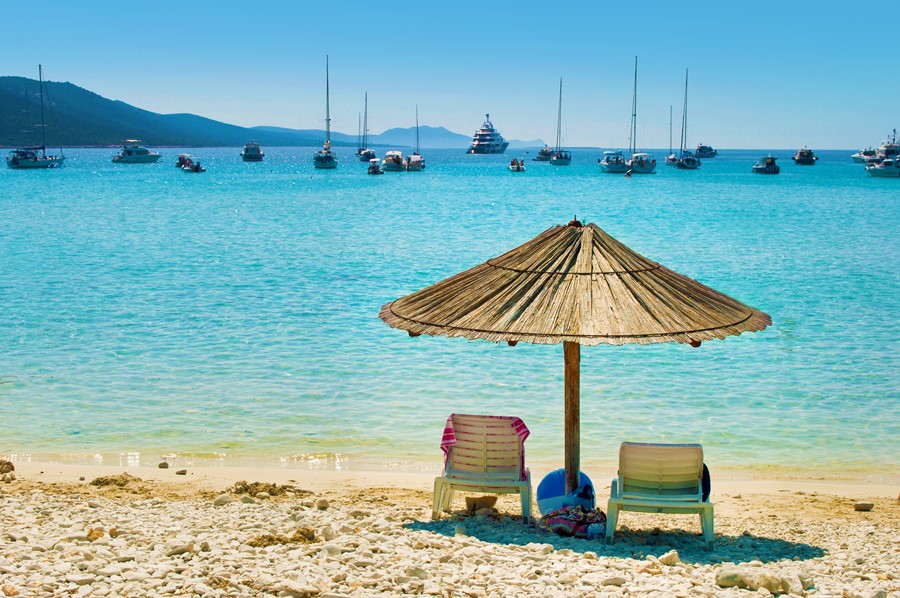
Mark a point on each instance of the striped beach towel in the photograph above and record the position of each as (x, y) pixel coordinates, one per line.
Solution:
(449, 437)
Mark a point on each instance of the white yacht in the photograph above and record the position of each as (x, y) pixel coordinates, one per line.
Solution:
(889, 167)
(393, 161)
(705, 151)
(889, 148)
(487, 139)
(640, 162)
(252, 152)
(864, 155)
(613, 162)
(35, 156)
(324, 158)
(133, 152)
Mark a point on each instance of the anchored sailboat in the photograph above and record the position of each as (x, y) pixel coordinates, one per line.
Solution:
(640, 162)
(324, 158)
(416, 162)
(686, 160)
(561, 157)
(35, 156)
(364, 153)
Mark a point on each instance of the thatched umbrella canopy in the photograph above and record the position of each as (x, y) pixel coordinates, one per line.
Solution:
(574, 285)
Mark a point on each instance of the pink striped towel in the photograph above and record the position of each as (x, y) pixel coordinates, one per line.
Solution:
(449, 437)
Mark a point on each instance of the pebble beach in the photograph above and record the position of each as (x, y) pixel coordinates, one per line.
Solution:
(101, 531)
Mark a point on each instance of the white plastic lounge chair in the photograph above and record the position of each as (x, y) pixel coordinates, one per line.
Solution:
(659, 478)
(483, 453)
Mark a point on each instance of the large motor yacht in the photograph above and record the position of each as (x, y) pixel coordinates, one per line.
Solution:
(487, 139)
(133, 152)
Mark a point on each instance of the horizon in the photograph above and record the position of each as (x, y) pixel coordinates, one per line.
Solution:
(788, 79)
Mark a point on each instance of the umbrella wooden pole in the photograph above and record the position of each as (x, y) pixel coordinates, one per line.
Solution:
(572, 355)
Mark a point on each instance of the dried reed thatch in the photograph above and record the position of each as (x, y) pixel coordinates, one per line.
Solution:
(577, 284)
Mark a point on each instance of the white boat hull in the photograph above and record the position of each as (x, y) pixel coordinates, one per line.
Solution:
(35, 163)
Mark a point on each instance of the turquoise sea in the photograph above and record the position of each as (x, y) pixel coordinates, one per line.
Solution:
(231, 317)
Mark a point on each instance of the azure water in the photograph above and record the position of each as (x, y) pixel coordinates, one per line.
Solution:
(232, 315)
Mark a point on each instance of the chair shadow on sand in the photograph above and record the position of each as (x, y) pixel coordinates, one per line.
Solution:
(637, 543)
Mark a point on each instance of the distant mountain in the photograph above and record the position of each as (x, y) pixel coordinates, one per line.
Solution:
(78, 117)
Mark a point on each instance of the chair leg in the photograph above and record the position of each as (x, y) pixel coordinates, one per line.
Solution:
(439, 487)
(706, 522)
(612, 515)
(448, 499)
(525, 494)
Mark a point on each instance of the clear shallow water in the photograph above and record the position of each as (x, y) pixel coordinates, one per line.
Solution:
(233, 315)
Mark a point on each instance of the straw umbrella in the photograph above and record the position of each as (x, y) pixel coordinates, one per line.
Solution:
(574, 285)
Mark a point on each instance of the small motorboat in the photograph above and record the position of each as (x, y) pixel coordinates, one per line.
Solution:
(705, 151)
(887, 168)
(613, 162)
(766, 165)
(393, 161)
(687, 161)
(642, 163)
(544, 154)
(191, 166)
(517, 165)
(864, 155)
(374, 167)
(182, 160)
(415, 162)
(252, 152)
(805, 157)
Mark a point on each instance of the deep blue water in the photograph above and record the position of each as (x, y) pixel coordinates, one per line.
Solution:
(234, 314)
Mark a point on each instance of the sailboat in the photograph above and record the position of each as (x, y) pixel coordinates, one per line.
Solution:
(324, 158)
(640, 162)
(35, 156)
(672, 157)
(364, 153)
(686, 160)
(416, 162)
(561, 157)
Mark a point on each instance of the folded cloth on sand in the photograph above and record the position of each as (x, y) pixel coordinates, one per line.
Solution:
(573, 520)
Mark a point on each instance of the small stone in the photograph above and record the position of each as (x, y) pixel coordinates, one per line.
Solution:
(93, 505)
(322, 504)
(95, 533)
(81, 479)
(181, 472)
(10, 590)
(263, 495)
(613, 581)
(113, 532)
(223, 499)
(204, 547)
(459, 530)
(247, 499)
(863, 506)
(6, 466)
(163, 465)
(189, 547)
(670, 558)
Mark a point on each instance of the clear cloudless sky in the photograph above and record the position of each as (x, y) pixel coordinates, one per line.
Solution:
(765, 74)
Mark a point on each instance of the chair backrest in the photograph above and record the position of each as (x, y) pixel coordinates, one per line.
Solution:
(485, 447)
(661, 470)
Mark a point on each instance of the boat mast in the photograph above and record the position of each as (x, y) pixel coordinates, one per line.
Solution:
(417, 128)
(359, 130)
(633, 141)
(327, 104)
(43, 128)
(684, 114)
(670, 129)
(366, 122)
(559, 117)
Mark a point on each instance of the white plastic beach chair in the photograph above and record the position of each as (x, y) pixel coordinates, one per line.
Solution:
(659, 478)
(483, 453)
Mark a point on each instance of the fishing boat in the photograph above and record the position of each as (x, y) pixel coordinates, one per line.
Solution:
(252, 152)
(416, 162)
(393, 161)
(887, 168)
(133, 152)
(374, 167)
(35, 156)
(560, 157)
(705, 151)
(766, 165)
(686, 160)
(517, 165)
(324, 158)
(364, 153)
(805, 157)
(613, 162)
(487, 139)
(640, 162)
(544, 154)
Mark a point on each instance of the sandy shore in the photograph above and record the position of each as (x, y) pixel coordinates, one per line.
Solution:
(314, 533)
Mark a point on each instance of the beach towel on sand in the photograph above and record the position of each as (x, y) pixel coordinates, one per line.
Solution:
(573, 521)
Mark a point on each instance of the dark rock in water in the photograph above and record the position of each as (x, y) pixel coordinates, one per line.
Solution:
(6, 467)
(181, 472)
(164, 465)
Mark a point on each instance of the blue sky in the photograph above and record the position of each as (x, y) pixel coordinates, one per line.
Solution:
(762, 74)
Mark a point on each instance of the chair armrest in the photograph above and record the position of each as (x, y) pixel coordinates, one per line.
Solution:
(614, 488)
